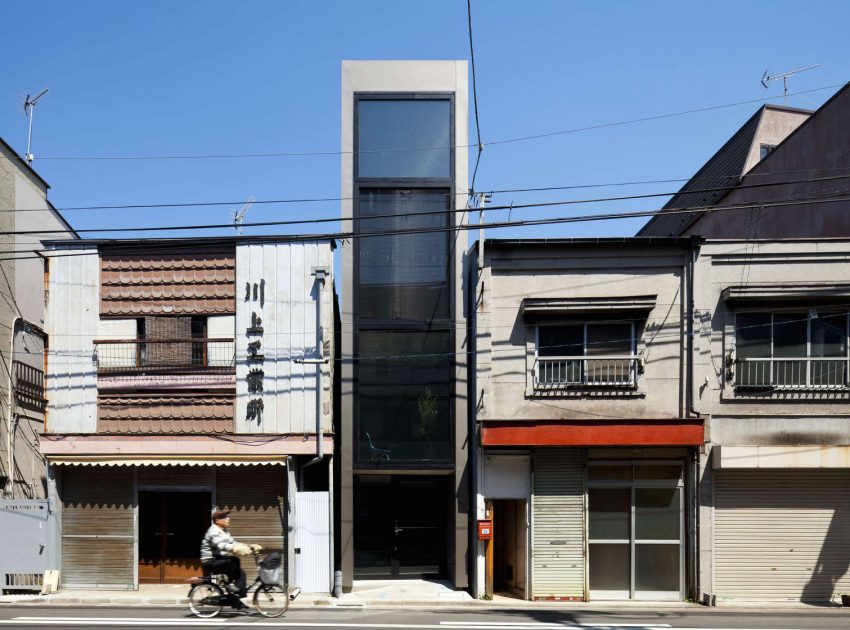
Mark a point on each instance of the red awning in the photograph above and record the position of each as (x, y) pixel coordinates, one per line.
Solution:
(593, 433)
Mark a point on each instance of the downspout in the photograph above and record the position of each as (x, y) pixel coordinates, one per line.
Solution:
(321, 273)
(690, 412)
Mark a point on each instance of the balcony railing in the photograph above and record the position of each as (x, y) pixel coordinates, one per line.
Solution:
(797, 373)
(29, 386)
(561, 372)
(164, 356)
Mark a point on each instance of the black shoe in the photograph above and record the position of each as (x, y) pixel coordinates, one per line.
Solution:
(238, 604)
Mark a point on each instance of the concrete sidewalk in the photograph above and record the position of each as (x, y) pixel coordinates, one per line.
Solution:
(376, 594)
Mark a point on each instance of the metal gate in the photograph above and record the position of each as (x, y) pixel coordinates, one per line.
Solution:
(313, 572)
(26, 531)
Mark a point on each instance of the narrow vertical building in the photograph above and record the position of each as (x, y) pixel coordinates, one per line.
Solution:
(403, 439)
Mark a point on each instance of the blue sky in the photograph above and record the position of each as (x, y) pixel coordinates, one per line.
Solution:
(202, 77)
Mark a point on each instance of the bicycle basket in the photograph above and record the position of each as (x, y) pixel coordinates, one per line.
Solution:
(270, 568)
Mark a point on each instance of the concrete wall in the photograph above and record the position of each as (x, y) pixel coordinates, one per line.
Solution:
(786, 421)
(23, 207)
(774, 126)
(414, 77)
(290, 322)
(506, 341)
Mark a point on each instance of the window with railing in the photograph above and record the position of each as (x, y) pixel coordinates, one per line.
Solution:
(164, 355)
(586, 354)
(799, 349)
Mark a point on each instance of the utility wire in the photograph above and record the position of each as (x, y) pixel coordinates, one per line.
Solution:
(200, 204)
(278, 154)
(817, 200)
(544, 204)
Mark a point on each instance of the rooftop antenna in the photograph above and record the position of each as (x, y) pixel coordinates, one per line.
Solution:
(239, 217)
(29, 111)
(767, 78)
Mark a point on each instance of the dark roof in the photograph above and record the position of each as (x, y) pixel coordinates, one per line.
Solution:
(721, 172)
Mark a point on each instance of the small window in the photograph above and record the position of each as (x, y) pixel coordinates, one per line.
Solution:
(765, 150)
(791, 349)
(586, 354)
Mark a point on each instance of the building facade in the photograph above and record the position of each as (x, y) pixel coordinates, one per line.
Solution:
(772, 380)
(24, 207)
(662, 419)
(587, 468)
(403, 427)
(184, 375)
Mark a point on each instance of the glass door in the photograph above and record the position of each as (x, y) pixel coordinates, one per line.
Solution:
(635, 531)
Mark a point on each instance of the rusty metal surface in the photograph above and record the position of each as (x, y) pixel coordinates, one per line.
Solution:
(165, 414)
(155, 283)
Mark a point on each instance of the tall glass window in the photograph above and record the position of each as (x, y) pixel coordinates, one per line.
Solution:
(403, 282)
(404, 138)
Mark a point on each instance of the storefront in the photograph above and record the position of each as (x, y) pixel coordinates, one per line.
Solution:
(127, 522)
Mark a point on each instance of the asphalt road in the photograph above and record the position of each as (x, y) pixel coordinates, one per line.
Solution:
(444, 619)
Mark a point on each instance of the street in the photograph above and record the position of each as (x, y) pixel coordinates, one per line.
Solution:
(361, 619)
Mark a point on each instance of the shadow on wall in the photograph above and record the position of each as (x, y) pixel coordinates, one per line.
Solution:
(833, 561)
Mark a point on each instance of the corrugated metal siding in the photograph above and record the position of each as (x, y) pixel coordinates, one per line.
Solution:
(72, 317)
(557, 505)
(256, 495)
(98, 527)
(289, 333)
(312, 535)
(782, 534)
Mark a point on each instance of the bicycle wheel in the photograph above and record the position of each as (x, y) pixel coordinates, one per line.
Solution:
(205, 600)
(271, 600)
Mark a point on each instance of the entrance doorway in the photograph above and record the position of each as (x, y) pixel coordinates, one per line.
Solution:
(635, 530)
(510, 534)
(171, 527)
(400, 527)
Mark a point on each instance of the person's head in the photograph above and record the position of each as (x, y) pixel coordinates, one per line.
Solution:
(221, 518)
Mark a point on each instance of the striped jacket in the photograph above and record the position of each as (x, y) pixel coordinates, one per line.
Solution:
(217, 543)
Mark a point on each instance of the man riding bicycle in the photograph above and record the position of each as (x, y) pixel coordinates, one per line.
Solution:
(219, 553)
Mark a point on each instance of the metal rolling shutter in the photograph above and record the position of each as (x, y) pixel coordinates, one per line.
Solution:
(557, 505)
(98, 527)
(256, 495)
(782, 534)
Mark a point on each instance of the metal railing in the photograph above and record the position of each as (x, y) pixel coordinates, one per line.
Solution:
(29, 385)
(796, 373)
(164, 355)
(558, 372)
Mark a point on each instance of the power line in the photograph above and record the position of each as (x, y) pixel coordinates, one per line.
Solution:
(280, 154)
(201, 204)
(474, 96)
(218, 226)
(164, 243)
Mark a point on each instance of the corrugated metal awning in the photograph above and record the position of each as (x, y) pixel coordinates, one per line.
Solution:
(147, 460)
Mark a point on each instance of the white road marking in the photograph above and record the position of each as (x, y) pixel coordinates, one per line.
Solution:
(237, 623)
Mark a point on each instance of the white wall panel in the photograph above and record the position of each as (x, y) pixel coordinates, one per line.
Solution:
(506, 477)
(290, 322)
(221, 326)
(72, 324)
(313, 538)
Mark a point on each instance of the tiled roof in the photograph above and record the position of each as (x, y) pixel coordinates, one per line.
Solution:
(165, 414)
(189, 283)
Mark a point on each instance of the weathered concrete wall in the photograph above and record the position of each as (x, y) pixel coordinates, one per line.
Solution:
(506, 341)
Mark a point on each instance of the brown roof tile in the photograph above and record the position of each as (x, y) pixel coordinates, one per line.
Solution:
(201, 283)
(165, 414)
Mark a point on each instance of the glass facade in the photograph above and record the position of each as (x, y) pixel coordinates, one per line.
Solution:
(403, 283)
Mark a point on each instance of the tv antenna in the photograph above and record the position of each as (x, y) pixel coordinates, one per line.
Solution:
(239, 217)
(29, 110)
(767, 78)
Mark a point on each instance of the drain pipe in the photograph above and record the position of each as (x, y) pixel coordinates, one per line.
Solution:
(321, 274)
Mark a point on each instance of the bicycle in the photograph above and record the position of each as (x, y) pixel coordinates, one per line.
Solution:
(209, 593)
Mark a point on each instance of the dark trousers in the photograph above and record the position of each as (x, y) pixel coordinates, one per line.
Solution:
(230, 567)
